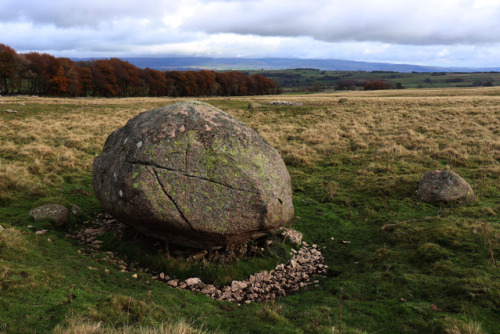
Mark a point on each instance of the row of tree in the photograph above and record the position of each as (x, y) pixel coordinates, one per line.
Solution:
(351, 84)
(43, 74)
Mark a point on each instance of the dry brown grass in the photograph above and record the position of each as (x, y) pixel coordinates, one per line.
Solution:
(12, 240)
(81, 325)
(460, 327)
(458, 129)
(458, 126)
(38, 147)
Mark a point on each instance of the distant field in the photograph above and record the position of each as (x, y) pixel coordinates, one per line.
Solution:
(315, 80)
(355, 158)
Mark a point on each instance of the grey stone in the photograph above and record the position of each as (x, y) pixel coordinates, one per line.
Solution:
(191, 174)
(193, 281)
(443, 186)
(75, 210)
(292, 236)
(237, 285)
(173, 283)
(55, 212)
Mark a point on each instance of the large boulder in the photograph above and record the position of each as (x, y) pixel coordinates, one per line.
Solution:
(443, 186)
(191, 174)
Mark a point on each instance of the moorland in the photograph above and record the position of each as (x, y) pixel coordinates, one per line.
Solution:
(396, 264)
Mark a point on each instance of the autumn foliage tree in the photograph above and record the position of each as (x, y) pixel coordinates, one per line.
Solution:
(72, 74)
(87, 83)
(104, 78)
(377, 84)
(58, 85)
(152, 83)
(127, 77)
(44, 74)
(41, 69)
(10, 66)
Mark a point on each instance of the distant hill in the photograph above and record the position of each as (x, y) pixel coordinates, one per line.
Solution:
(196, 63)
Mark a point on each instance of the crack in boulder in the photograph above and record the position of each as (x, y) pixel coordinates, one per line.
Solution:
(222, 183)
(154, 166)
(171, 198)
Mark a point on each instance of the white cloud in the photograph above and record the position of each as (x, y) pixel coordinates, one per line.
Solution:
(443, 53)
(452, 32)
(82, 13)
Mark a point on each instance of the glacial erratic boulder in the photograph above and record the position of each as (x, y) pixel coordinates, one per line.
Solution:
(193, 175)
(443, 186)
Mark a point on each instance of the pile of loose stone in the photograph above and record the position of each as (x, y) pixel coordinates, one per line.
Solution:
(100, 225)
(292, 276)
(285, 103)
(296, 274)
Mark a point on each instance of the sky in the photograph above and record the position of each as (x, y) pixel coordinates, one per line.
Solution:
(425, 32)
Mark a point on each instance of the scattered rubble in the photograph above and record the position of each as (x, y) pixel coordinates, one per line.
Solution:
(263, 286)
(296, 274)
(286, 103)
(100, 225)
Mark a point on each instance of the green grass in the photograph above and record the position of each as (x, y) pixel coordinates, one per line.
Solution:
(401, 265)
(302, 80)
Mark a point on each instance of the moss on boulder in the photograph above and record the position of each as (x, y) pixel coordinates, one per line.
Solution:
(193, 175)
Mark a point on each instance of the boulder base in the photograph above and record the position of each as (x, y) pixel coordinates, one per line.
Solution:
(191, 174)
(443, 186)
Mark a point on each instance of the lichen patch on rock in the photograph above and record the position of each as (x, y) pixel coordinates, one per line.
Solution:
(191, 174)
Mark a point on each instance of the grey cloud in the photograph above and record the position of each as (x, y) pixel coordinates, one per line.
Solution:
(419, 23)
(452, 32)
(112, 39)
(81, 13)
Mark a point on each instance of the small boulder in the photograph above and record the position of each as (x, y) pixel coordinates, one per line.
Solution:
(193, 281)
(56, 212)
(443, 186)
(193, 175)
(238, 285)
(253, 105)
(173, 283)
(75, 210)
(292, 236)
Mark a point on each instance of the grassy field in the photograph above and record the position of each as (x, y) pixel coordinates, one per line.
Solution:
(302, 80)
(396, 265)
